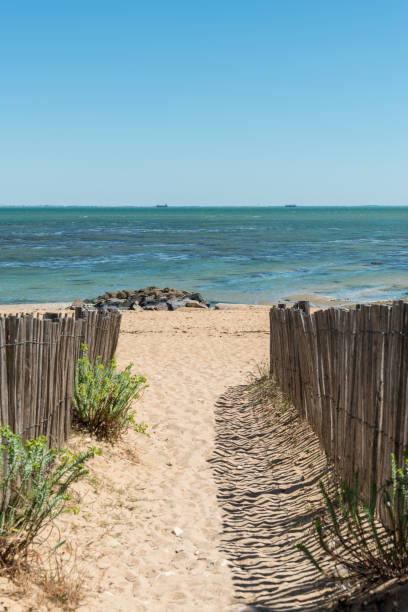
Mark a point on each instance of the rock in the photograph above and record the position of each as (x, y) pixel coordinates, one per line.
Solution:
(175, 303)
(196, 296)
(134, 299)
(150, 298)
(135, 307)
(177, 531)
(115, 303)
(155, 306)
(152, 289)
(195, 304)
(78, 303)
(154, 303)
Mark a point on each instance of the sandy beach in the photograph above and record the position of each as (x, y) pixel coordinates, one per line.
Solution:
(156, 528)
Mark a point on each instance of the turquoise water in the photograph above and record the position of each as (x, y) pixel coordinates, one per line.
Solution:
(240, 254)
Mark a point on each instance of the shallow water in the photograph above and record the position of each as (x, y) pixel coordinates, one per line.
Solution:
(237, 254)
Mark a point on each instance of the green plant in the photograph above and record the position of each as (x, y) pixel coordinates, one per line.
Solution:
(353, 538)
(103, 397)
(34, 489)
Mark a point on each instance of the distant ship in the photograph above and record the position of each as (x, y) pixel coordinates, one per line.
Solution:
(161, 206)
(290, 205)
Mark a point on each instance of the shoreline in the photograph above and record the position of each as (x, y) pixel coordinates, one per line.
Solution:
(315, 302)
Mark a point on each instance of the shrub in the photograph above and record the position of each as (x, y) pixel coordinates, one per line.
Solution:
(34, 489)
(103, 397)
(352, 537)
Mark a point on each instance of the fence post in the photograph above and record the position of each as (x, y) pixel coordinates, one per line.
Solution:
(302, 305)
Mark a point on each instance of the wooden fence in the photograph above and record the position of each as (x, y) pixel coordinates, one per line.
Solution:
(346, 372)
(37, 366)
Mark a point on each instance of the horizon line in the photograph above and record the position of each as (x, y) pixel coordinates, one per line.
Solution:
(283, 205)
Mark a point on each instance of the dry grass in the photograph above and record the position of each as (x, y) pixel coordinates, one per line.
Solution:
(47, 582)
(264, 390)
(60, 582)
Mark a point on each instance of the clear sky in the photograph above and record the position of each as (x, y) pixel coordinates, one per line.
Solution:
(203, 102)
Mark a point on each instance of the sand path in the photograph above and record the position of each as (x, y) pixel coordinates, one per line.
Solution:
(190, 360)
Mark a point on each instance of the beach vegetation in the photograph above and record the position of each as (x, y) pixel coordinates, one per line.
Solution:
(264, 391)
(60, 580)
(104, 397)
(353, 540)
(261, 386)
(34, 489)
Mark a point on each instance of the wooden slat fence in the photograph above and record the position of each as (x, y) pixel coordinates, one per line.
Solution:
(346, 372)
(37, 366)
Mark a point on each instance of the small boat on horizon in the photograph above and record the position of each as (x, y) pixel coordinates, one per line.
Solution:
(162, 206)
(290, 205)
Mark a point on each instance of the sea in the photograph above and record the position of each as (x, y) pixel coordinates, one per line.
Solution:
(230, 254)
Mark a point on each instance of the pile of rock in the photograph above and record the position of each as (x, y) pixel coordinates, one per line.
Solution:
(150, 298)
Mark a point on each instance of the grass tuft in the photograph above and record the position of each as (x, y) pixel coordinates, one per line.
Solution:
(60, 582)
(264, 389)
(354, 540)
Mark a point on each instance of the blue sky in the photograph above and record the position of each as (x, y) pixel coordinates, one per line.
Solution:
(203, 102)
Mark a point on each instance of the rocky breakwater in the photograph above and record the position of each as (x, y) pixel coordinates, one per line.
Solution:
(150, 298)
